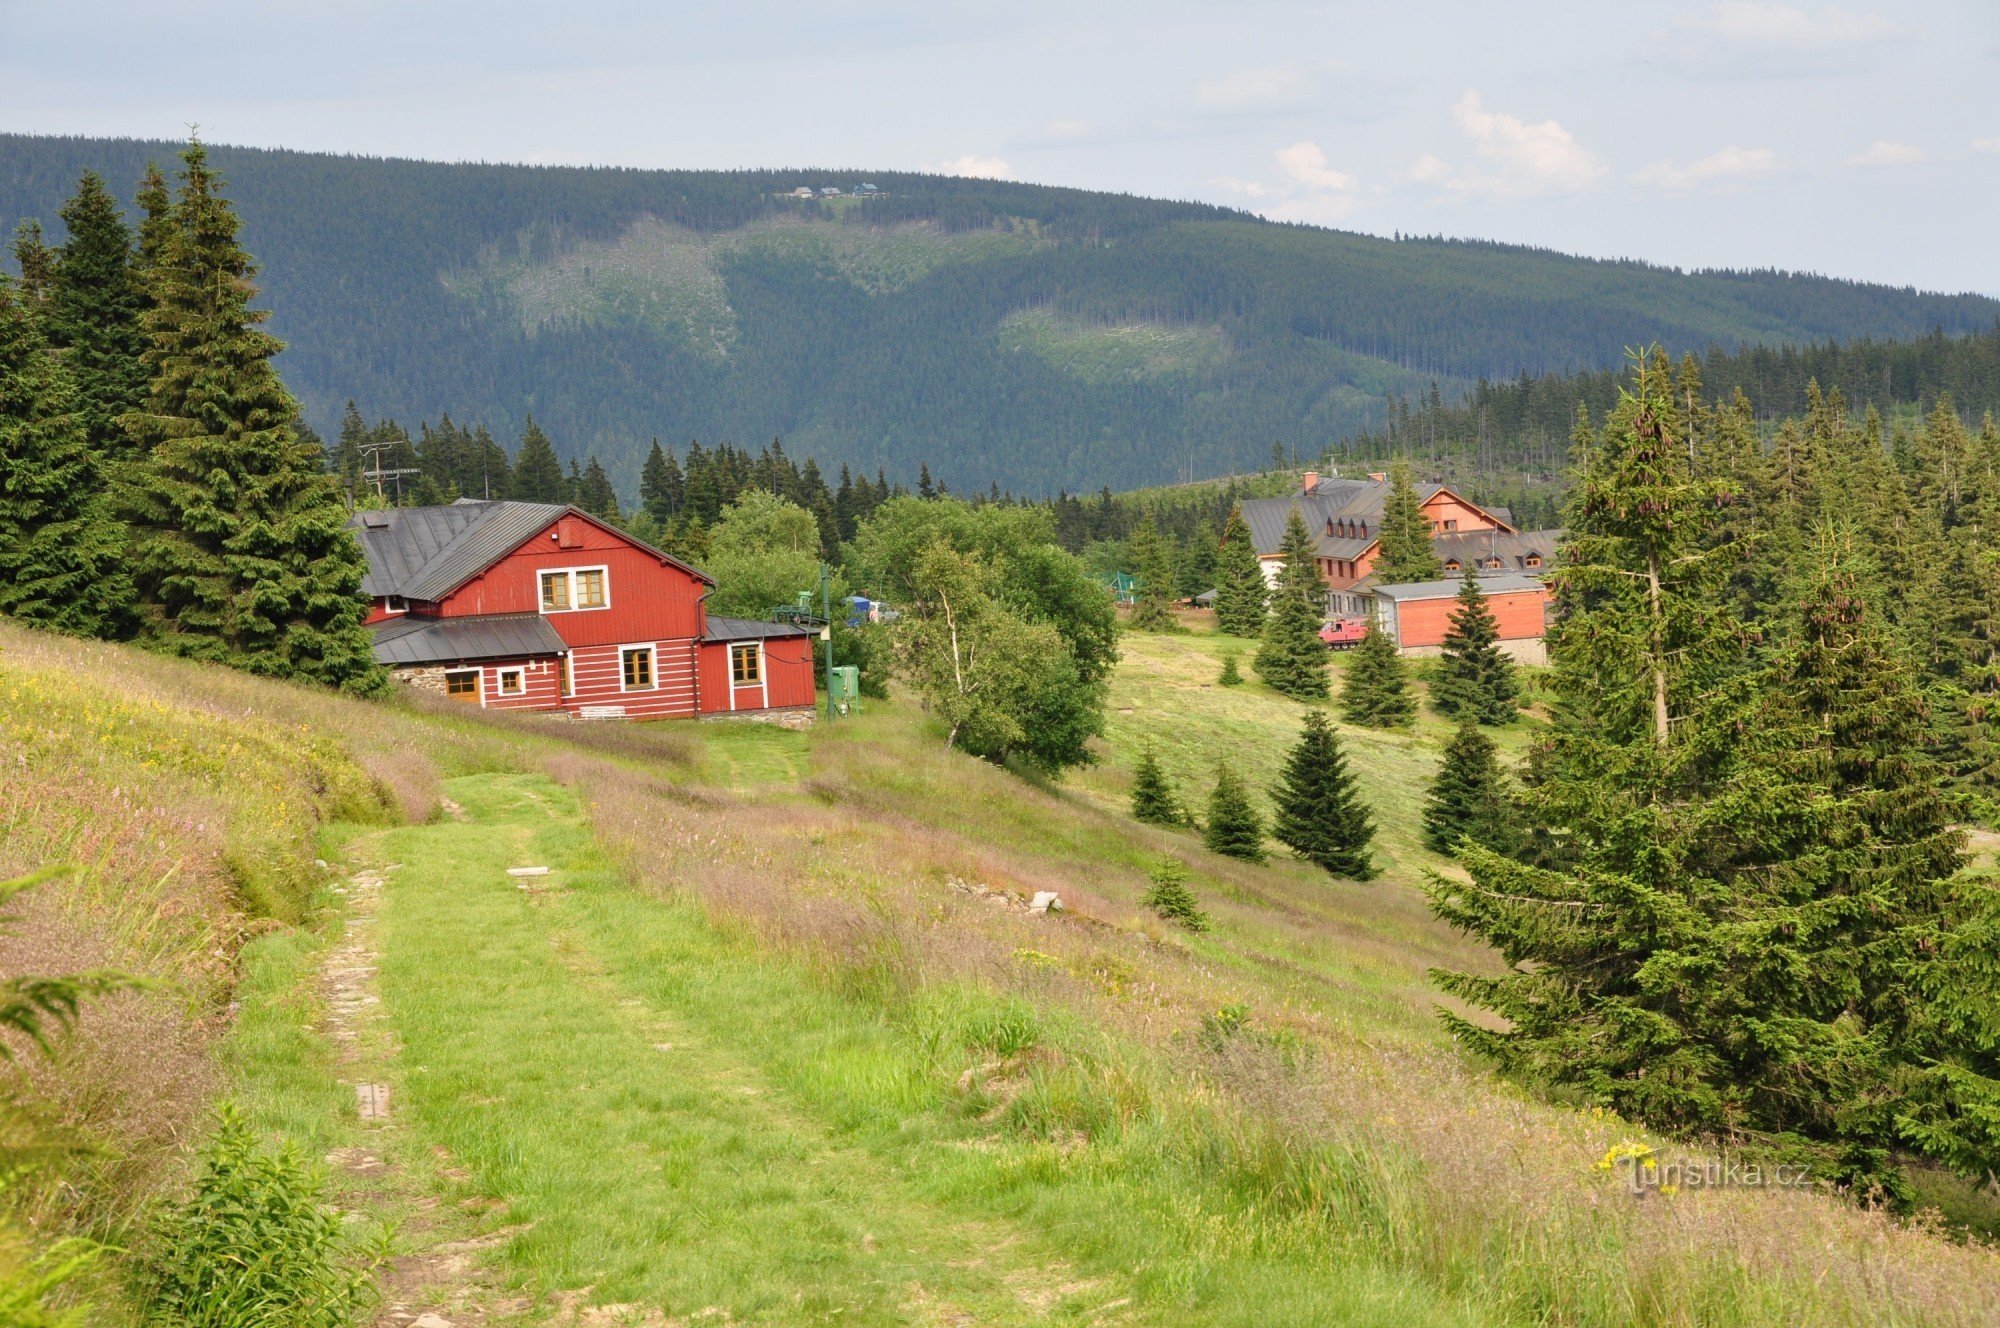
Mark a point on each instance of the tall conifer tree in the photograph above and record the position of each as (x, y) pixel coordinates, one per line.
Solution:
(1292, 658)
(1240, 591)
(1467, 799)
(1320, 813)
(1406, 553)
(95, 304)
(1152, 565)
(538, 475)
(1375, 691)
(62, 553)
(1474, 676)
(239, 547)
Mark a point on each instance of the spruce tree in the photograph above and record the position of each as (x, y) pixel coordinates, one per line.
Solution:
(1375, 691)
(1468, 799)
(239, 547)
(1170, 897)
(1406, 553)
(1240, 591)
(594, 493)
(1231, 676)
(62, 552)
(660, 486)
(1152, 564)
(1153, 798)
(1474, 676)
(1642, 757)
(37, 264)
(1292, 658)
(156, 222)
(95, 303)
(538, 475)
(1234, 829)
(1320, 814)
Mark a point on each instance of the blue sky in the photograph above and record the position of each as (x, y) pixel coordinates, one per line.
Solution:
(1859, 140)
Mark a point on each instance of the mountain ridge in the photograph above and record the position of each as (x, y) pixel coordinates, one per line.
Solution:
(1035, 335)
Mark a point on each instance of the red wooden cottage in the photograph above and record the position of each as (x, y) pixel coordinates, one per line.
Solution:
(538, 606)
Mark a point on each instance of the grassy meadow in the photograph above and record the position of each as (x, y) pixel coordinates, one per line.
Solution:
(776, 1040)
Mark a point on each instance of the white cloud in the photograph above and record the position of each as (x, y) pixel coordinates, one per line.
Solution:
(1729, 166)
(1887, 152)
(1986, 145)
(1305, 163)
(1308, 190)
(975, 166)
(1258, 89)
(1523, 160)
(1763, 26)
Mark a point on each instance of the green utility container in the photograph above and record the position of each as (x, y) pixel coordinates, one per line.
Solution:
(843, 693)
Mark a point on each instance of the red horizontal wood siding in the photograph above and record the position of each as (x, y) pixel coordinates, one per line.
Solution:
(597, 681)
(788, 677)
(650, 600)
(540, 685)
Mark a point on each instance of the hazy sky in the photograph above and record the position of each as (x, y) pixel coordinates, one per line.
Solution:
(1860, 140)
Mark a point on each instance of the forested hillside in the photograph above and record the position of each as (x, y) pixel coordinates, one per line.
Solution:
(1037, 337)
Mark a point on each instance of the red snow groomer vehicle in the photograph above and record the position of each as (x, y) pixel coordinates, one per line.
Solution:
(1344, 633)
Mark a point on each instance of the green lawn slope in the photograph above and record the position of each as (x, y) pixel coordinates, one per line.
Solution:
(776, 1040)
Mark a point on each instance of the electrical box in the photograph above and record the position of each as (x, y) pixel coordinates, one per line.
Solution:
(843, 692)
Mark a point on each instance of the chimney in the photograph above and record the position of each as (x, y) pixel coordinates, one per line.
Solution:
(1378, 476)
(1311, 481)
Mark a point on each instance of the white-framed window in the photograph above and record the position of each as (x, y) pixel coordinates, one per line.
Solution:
(746, 663)
(567, 589)
(563, 679)
(395, 604)
(512, 682)
(635, 667)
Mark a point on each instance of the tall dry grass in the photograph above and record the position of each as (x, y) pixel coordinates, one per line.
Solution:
(190, 800)
(1295, 1123)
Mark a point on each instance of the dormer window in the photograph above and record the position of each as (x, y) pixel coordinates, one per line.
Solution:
(1532, 560)
(1452, 565)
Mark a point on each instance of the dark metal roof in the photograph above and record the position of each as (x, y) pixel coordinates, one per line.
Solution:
(1500, 583)
(1510, 547)
(1358, 502)
(412, 640)
(425, 553)
(750, 629)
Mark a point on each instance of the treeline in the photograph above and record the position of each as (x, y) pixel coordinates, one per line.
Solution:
(377, 267)
(1511, 437)
(153, 482)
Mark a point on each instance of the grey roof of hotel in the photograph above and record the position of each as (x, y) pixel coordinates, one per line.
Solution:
(425, 553)
(1496, 583)
(752, 629)
(403, 641)
(1511, 547)
(1332, 499)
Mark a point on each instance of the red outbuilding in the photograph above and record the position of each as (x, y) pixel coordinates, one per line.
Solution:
(539, 606)
(1416, 616)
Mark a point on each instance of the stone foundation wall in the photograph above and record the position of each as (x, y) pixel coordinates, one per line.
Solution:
(425, 678)
(1529, 650)
(789, 717)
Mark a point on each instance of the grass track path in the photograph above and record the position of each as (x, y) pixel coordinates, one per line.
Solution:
(651, 1163)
